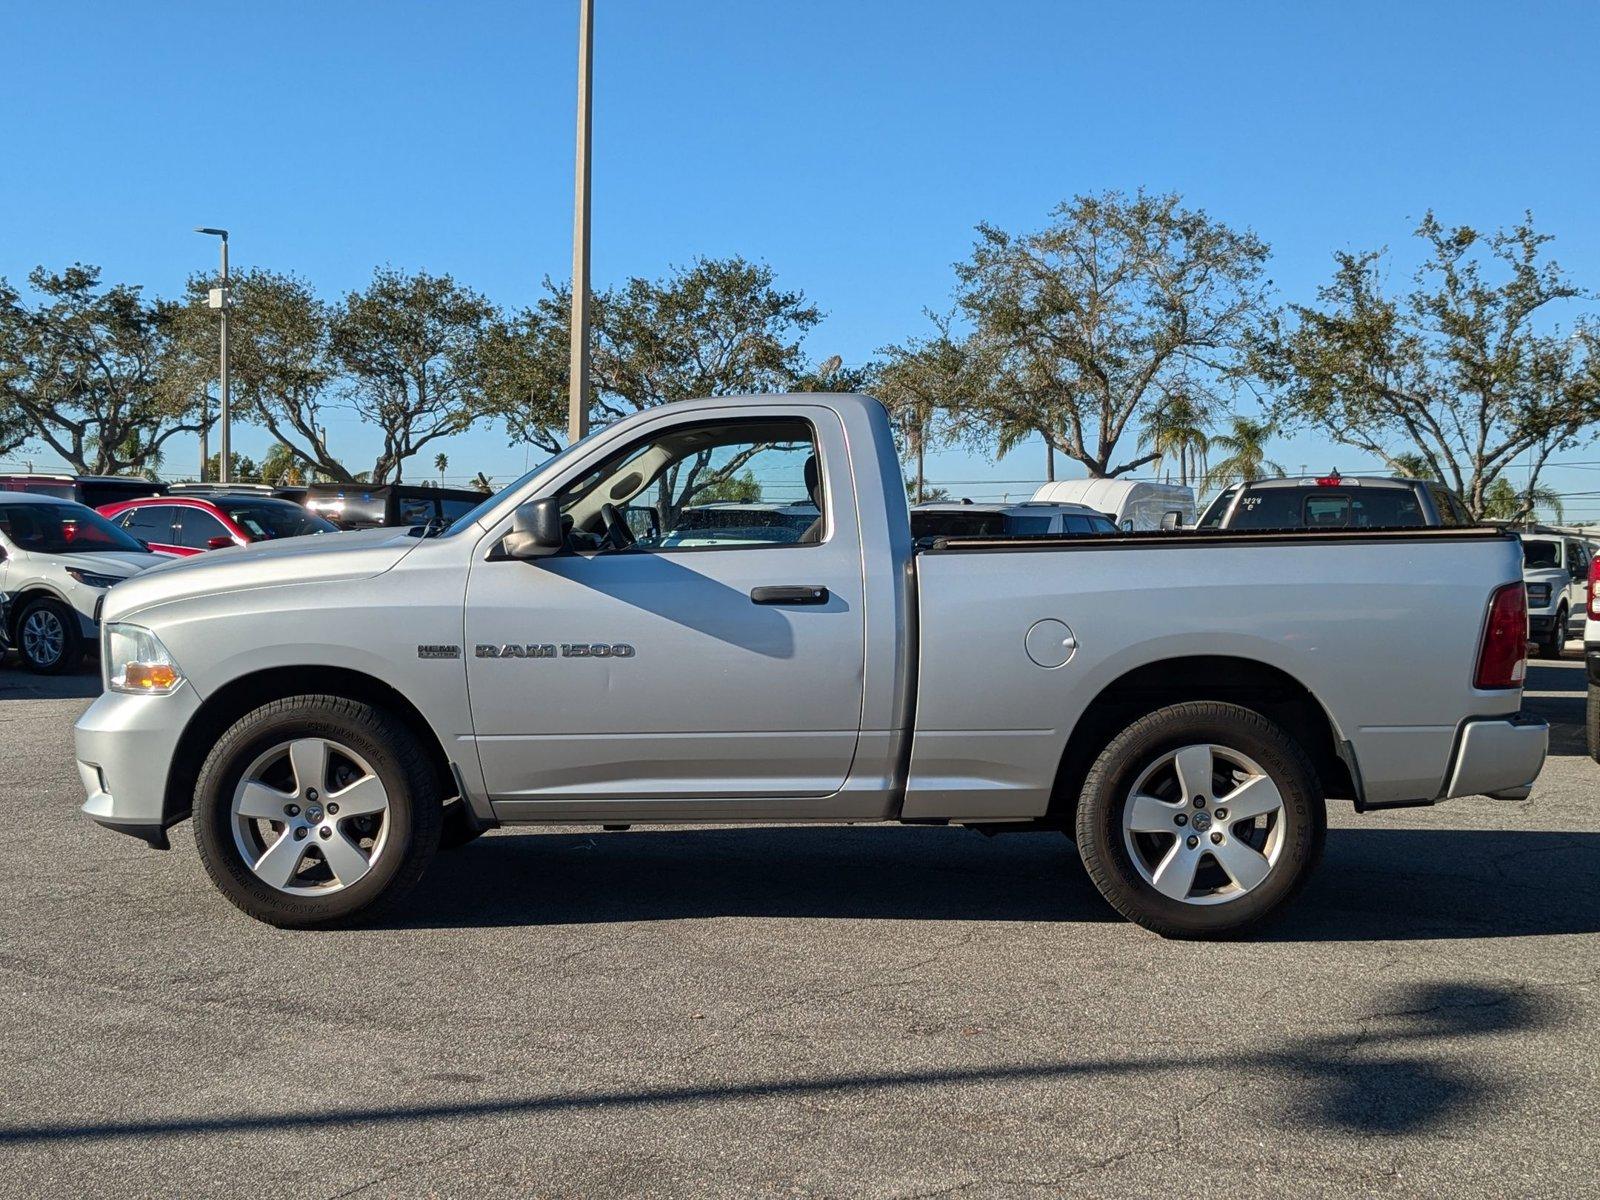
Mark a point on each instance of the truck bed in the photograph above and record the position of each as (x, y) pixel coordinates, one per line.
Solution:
(1378, 628)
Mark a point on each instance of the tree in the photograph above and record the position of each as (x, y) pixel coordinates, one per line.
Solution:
(525, 373)
(282, 467)
(1244, 447)
(84, 368)
(926, 383)
(280, 368)
(482, 483)
(1457, 370)
(1502, 502)
(1117, 307)
(1178, 430)
(440, 462)
(411, 347)
(718, 327)
(241, 468)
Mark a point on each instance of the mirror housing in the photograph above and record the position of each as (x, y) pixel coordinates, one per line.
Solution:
(535, 530)
(218, 543)
(1172, 519)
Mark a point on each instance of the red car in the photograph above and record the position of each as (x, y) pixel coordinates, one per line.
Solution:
(192, 524)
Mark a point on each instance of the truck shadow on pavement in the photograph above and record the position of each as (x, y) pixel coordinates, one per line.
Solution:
(1388, 1071)
(1374, 884)
(18, 683)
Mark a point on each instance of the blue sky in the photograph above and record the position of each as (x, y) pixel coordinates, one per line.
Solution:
(851, 145)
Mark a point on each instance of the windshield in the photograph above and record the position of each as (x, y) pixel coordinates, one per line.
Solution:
(1541, 554)
(63, 528)
(264, 520)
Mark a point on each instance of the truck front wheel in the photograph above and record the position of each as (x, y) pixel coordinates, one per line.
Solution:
(313, 809)
(1200, 820)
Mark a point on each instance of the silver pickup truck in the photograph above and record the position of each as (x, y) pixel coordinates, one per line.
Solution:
(587, 647)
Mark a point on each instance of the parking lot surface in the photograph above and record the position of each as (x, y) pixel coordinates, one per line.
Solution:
(802, 1011)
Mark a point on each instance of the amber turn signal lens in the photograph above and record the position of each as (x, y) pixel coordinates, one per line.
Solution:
(151, 676)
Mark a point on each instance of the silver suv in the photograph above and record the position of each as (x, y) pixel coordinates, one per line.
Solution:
(57, 560)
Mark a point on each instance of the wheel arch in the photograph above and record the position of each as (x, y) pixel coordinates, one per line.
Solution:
(35, 590)
(1247, 682)
(238, 696)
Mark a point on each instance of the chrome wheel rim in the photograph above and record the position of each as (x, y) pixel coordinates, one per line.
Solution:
(310, 817)
(1203, 824)
(43, 637)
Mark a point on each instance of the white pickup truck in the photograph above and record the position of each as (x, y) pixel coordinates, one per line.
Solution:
(330, 710)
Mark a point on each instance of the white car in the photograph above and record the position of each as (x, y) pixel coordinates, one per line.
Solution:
(1555, 568)
(57, 560)
(1131, 504)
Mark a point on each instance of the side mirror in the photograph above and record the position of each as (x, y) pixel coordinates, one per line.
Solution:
(218, 543)
(535, 530)
(1172, 519)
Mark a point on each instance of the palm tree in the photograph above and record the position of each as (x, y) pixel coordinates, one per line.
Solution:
(1177, 430)
(1245, 445)
(440, 462)
(483, 483)
(1503, 502)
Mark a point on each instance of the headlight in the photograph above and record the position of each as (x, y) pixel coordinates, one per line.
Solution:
(1538, 595)
(136, 661)
(90, 579)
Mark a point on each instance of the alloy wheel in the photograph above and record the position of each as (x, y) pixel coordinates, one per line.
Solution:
(1203, 824)
(310, 817)
(44, 638)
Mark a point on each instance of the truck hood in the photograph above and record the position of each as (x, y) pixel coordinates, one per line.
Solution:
(319, 558)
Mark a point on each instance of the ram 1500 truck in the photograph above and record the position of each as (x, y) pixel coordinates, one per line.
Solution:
(331, 710)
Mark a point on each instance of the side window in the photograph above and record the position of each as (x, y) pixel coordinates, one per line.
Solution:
(152, 523)
(194, 528)
(720, 485)
(1449, 510)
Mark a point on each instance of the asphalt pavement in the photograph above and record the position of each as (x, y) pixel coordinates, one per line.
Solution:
(802, 1012)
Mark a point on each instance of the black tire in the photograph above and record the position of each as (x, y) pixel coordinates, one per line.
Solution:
(1592, 722)
(1118, 767)
(391, 749)
(457, 828)
(1551, 645)
(62, 618)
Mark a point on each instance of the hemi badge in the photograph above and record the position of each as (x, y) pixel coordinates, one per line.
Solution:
(438, 651)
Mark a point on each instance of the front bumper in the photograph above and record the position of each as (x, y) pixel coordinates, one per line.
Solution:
(1540, 622)
(1499, 757)
(125, 744)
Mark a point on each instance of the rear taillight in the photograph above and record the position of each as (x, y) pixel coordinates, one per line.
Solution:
(1503, 657)
(1594, 588)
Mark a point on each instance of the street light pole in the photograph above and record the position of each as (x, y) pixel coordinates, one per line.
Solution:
(578, 362)
(219, 299)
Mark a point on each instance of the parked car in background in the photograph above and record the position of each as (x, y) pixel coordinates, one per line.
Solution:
(91, 491)
(1031, 518)
(1335, 501)
(1555, 568)
(57, 561)
(196, 519)
(1130, 503)
(364, 506)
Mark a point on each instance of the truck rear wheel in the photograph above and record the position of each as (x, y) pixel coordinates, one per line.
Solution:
(1200, 820)
(313, 809)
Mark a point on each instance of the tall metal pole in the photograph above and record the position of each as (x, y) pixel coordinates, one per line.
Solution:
(578, 364)
(225, 467)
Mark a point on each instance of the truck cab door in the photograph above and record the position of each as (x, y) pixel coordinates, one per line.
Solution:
(719, 658)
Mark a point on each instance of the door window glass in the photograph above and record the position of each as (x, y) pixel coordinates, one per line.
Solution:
(195, 528)
(152, 523)
(715, 486)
